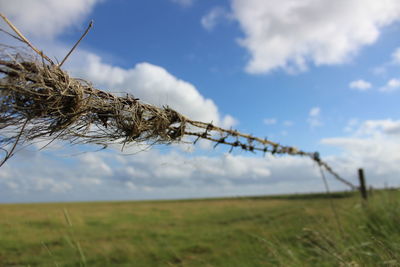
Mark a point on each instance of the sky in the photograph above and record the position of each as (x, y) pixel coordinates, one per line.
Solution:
(319, 75)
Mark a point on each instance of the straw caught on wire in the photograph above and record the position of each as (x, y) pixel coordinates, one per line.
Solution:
(39, 100)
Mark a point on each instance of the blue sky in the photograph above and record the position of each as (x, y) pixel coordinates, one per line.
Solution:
(318, 75)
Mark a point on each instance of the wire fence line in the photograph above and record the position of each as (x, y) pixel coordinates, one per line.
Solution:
(39, 100)
(236, 139)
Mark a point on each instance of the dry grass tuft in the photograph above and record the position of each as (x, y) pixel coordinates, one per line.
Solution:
(42, 100)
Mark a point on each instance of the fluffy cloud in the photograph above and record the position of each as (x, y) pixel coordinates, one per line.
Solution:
(315, 111)
(387, 127)
(212, 17)
(154, 174)
(351, 125)
(155, 169)
(270, 121)
(154, 85)
(288, 123)
(314, 117)
(373, 145)
(393, 63)
(184, 3)
(396, 56)
(51, 179)
(391, 85)
(360, 85)
(46, 18)
(290, 34)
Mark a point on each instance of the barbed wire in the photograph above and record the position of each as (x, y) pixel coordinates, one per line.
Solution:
(236, 139)
(39, 100)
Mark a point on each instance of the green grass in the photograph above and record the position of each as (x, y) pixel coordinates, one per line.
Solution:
(295, 230)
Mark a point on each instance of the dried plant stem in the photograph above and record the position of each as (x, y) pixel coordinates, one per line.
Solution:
(15, 29)
(77, 43)
(10, 153)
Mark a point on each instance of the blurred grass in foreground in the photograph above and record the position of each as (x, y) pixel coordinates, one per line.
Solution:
(293, 230)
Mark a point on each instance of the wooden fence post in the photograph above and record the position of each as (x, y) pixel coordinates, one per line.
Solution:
(363, 188)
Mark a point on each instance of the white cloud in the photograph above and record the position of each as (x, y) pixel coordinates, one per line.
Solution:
(210, 20)
(32, 177)
(270, 121)
(184, 3)
(155, 174)
(290, 34)
(387, 127)
(351, 125)
(229, 121)
(314, 117)
(374, 146)
(394, 61)
(154, 170)
(379, 70)
(315, 111)
(391, 85)
(49, 184)
(154, 85)
(396, 56)
(360, 85)
(46, 18)
(288, 123)
(95, 165)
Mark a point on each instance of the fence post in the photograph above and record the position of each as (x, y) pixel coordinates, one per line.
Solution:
(363, 188)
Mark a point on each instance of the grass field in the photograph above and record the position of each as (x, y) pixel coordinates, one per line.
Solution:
(281, 231)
